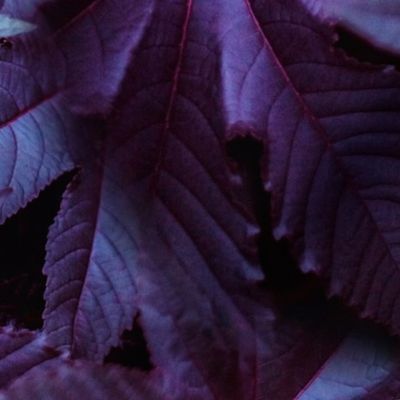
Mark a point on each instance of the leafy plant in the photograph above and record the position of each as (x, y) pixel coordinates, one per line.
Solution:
(229, 221)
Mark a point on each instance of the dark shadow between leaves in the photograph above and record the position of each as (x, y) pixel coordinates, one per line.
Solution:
(22, 253)
(59, 13)
(296, 295)
(283, 277)
(132, 351)
(358, 48)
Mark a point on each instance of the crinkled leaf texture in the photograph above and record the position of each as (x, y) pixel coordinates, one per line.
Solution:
(332, 127)
(96, 65)
(33, 122)
(157, 224)
(155, 220)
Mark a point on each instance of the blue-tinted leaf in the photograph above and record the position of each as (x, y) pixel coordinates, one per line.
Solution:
(33, 121)
(331, 128)
(363, 360)
(156, 224)
(68, 381)
(21, 351)
(13, 26)
(376, 20)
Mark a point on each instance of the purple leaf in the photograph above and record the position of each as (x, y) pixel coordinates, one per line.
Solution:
(157, 224)
(332, 128)
(33, 122)
(21, 351)
(69, 381)
(152, 224)
(88, 304)
(96, 66)
(364, 360)
(375, 20)
(325, 365)
(158, 214)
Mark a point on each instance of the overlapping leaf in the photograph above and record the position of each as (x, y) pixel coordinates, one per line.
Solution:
(363, 362)
(157, 225)
(68, 381)
(33, 122)
(21, 351)
(377, 21)
(329, 364)
(95, 66)
(155, 221)
(332, 133)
